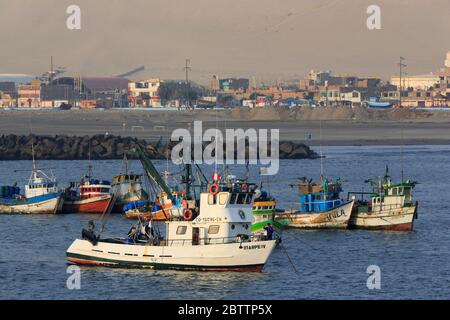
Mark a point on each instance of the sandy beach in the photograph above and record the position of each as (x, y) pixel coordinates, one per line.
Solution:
(340, 126)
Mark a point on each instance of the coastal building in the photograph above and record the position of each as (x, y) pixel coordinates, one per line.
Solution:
(29, 95)
(234, 84)
(352, 96)
(53, 92)
(214, 83)
(444, 82)
(444, 79)
(423, 98)
(108, 92)
(424, 81)
(8, 87)
(144, 93)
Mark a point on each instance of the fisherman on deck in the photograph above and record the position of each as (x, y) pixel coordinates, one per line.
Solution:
(132, 236)
(89, 234)
(269, 230)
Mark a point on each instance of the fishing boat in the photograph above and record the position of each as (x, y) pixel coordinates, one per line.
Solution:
(216, 237)
(161, 209)
(390, 206)
(320, 206)
(264, 213)
(41, 195)
(374, 103)
(127, 188)
(90, 195)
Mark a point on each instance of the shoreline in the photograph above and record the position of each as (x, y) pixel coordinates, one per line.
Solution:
(340, 126)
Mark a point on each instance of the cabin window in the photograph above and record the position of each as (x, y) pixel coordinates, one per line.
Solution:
(211, 199)
(233, 198)
(254, 208)
(241, 198)
(394, 191)
(213, 229)
(400, 190)
(181, 230)
(233, 226)
(249, 199)
(223, 198)
(407, 194)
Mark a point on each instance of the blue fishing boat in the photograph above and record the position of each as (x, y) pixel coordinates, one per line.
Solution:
(320, 206)
(41, 195)
(375, 103)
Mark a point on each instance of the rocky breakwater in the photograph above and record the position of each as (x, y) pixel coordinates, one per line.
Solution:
(61, 147)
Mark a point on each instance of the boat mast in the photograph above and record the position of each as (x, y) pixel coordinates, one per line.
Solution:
(90, 164)
(33, 169)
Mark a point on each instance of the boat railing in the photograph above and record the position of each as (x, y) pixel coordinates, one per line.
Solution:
(206, 241)
(334, 203)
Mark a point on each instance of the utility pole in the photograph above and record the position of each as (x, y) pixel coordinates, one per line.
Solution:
(187, 68)
(401, 65)
(51, 70)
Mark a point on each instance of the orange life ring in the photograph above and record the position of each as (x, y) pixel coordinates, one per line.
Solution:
(187, 214)
(244, 187)
(214, 189)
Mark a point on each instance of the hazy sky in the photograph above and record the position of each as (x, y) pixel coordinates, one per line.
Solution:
(269, 39)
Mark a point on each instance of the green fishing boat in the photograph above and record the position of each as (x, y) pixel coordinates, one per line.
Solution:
(264, 214)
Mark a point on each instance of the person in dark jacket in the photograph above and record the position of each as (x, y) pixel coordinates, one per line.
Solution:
(269, 229)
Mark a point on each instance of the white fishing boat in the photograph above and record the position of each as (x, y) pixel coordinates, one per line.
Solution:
(391, 206)
(41, 195)
(219, 238)
(215, 235)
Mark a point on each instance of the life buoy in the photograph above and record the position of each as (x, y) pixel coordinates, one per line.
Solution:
(244, 187)
(214, 189)
(187, 214)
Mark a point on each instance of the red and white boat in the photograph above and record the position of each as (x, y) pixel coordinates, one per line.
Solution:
(93, 196)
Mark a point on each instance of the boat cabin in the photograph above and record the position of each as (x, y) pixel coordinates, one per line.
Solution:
(40, 184)
(127, 178)
(393, 196)
(315, 198)
(94, 188)
(225, 216)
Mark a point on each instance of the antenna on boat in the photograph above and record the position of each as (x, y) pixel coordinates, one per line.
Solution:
(125, 160)
(401, 156)
(90, 164)
(321, 153)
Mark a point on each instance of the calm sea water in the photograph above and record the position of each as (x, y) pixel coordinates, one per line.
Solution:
(331, 264)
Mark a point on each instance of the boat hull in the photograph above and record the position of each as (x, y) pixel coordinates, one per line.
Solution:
(337, 218)
(122, 201)
(246, 256)
(48, 204)
(97, 205)
(398, 219)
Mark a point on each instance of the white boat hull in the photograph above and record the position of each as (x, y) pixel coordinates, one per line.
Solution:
(337, 218)
(400, 219)
(245, 256)
(49, 206)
